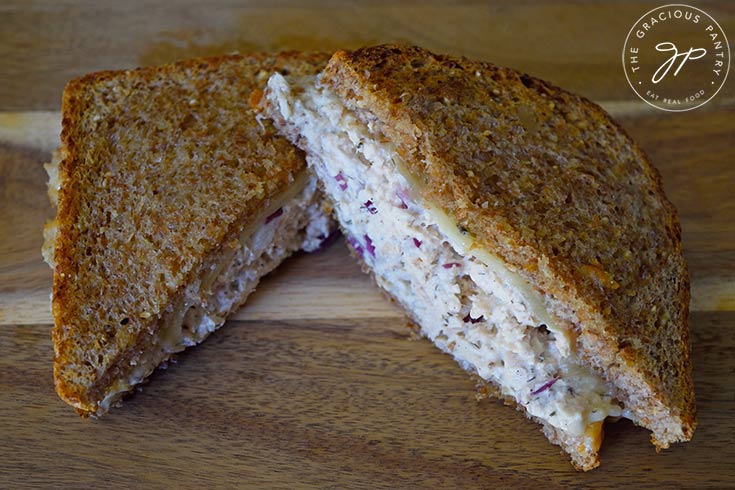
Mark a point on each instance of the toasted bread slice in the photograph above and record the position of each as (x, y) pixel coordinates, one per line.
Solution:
(173, 201)
(516, 223)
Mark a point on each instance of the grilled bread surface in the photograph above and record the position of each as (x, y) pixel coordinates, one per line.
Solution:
(159, 169)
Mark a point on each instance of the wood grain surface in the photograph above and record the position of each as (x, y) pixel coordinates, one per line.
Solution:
(317, 382)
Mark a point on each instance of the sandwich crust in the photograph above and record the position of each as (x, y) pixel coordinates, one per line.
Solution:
(547, 181)
(159, 169)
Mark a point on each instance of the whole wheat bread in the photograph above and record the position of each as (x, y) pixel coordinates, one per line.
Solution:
(161, 172)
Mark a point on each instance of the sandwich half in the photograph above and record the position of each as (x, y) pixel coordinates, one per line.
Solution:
(173, 201)
(517, 224)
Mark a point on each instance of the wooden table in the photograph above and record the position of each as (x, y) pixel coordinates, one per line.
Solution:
(317, 382)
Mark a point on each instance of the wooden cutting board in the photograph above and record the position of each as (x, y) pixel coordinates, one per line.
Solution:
(317, 383)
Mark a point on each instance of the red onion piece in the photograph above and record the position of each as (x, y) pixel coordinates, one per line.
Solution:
(369, 246)
(469, 319)
(273, 216)
(341, 180)
(404, 196)
(370, 207)
(545, 386)
(354, 244)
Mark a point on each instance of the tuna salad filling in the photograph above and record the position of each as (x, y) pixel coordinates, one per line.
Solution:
(464, 299)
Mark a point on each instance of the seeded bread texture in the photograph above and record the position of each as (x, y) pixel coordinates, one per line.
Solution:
(159, 169)
(547, 181)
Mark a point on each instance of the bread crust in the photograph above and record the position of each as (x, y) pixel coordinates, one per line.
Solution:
(547, 181)
(166, 139)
